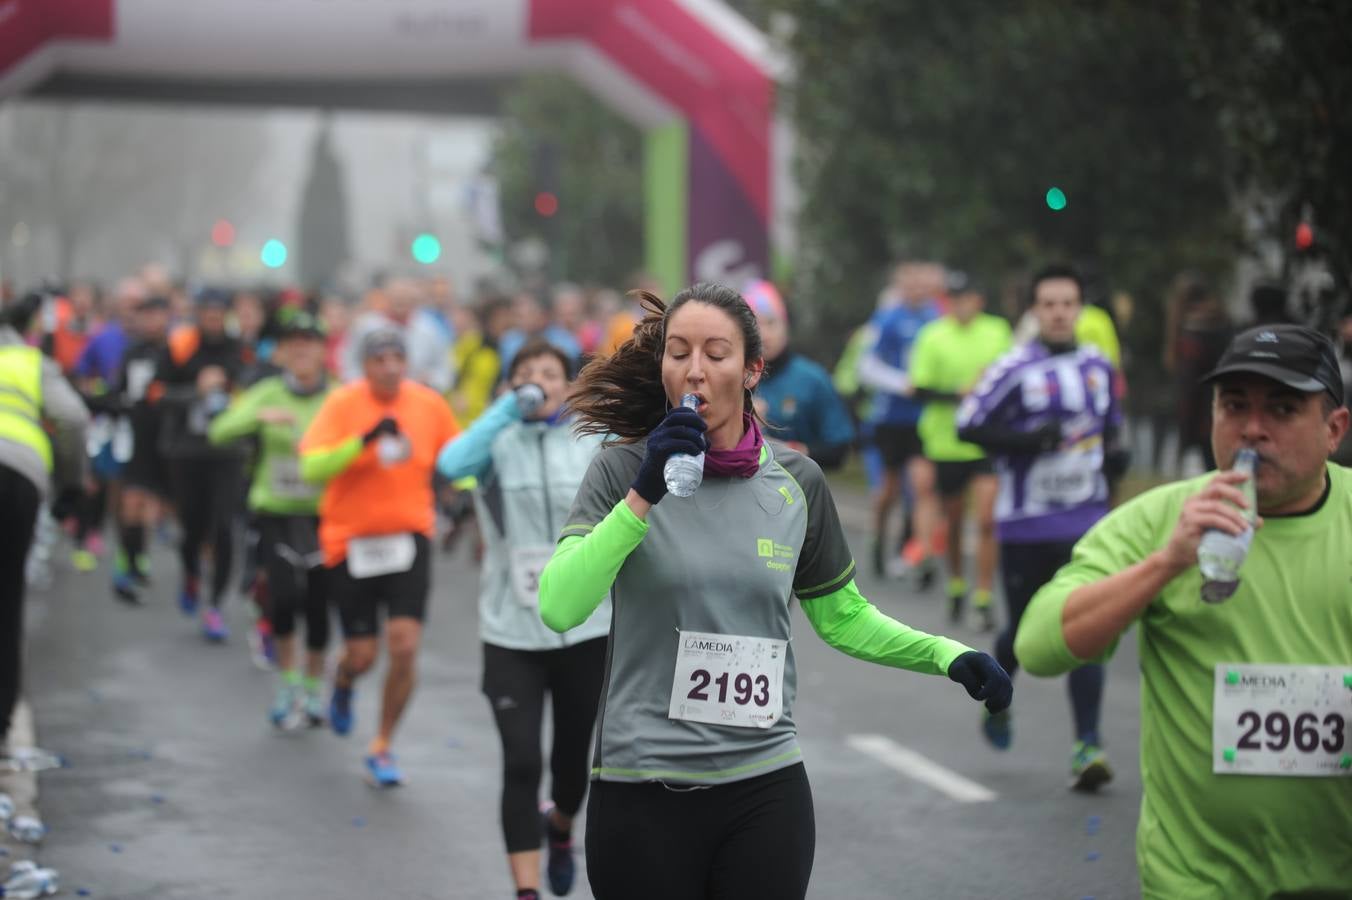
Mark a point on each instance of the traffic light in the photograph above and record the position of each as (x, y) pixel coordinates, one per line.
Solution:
(426, 248)
(545, 164)
(223, 233)
(1056, 199)
(546, 204)
(1304, 236)
(273, 254)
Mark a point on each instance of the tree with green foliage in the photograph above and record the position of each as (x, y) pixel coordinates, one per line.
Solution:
(1278, 75)
(938, 130)
(557, 138)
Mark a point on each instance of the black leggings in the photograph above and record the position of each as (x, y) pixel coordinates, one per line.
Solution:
(515, 682)
(288, 552)
(92, 511)
(19, 501)
(1024, 568)
(207, 494)
(753, 838)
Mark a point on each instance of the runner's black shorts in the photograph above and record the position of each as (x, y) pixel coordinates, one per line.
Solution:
(896, 443)
(147, 468)
(953, 477)
(402, 594)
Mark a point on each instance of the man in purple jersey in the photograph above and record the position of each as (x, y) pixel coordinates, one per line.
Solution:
(1048, 415)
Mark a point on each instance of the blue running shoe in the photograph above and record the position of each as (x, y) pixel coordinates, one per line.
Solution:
(187, 598)
(213, 627)
(383, 770)
(340, 711)
(560, 866)
(124, 588)
(1089, 769)
(997, 729)
(283, 705)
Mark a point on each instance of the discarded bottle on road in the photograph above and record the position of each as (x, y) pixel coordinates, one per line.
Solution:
(529, 398)
(30, 759)
(28, 880)
(6, 808)
(683, 472)
(27, 829)
(1220, 553)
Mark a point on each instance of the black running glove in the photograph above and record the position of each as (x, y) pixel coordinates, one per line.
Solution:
(386, 425)
(682, 431)
(983, 678)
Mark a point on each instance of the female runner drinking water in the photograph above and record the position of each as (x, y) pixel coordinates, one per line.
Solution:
(699, 787)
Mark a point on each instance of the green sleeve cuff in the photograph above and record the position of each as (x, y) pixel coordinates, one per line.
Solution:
(235, 422)
(584, 565)
(325, 463)
(1040, 643)
(852, 625)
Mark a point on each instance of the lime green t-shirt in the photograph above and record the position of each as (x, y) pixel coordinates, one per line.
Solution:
(1095, 326)
(949, 357)
(277, 487)
(1205, 835)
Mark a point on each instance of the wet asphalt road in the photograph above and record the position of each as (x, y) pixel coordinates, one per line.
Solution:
(178, 788)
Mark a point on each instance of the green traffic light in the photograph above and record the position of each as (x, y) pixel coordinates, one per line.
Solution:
(426, 249)
(273, 254)
(1056, 199)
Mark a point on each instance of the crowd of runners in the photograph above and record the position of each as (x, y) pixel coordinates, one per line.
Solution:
(313, 454)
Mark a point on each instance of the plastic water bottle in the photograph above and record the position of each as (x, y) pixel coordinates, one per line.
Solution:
(27, 829)
(27, 880)
(683, 472)
(31, 759)
(529, 398)
(6, 808)
(1220, 554)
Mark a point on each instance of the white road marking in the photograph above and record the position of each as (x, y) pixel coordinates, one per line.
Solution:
(921, 768)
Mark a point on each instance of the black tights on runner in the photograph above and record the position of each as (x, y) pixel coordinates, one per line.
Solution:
(19, 502)
(92, 511)
(207, 494)
(515, 682)
(286, 549)
(752, 838)
(1024, 568)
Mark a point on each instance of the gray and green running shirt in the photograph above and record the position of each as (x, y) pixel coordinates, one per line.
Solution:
(725, 561)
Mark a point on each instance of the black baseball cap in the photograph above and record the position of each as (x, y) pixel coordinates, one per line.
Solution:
(1295, 355)
(214, 298)
(299, 323)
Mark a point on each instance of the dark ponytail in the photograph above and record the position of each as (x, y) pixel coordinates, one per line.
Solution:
(622, 394)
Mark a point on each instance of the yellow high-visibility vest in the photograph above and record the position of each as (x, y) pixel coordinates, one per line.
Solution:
(21, 400)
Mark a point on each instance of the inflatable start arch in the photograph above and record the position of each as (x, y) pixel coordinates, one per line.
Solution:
(691, 73)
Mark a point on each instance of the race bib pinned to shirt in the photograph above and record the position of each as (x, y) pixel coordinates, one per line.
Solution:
(140, 373)
(386, 554)
(1067, 477)
(285, 481)
(527, 564)
(1282, 720)
(728, 679)
(392, 449)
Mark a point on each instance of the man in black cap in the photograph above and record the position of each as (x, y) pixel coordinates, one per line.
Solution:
(1246, 705)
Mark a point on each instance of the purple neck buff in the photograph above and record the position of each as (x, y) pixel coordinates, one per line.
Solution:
(741, 461)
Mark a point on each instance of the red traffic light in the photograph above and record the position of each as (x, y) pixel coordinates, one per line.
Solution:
(223, 233)
(1304, 236)
(546, 204)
